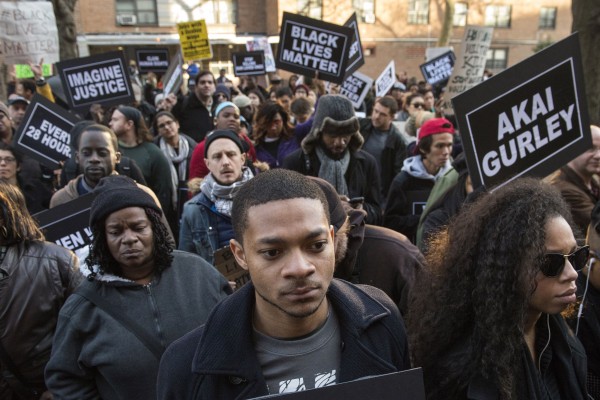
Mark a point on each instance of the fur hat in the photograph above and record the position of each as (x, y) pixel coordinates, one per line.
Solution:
(334, 115)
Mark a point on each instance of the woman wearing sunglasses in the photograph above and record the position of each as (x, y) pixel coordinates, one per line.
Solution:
(485, 322)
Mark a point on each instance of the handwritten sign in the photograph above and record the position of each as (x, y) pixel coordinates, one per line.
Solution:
(44, 132)
(262, 43)
(356, 58)
(152, 60)
(28, 32)
(527, 121)
(249, 63)
(356, 87)
(102, 79)
(307, 45)
(438, 70)
(24, 71)
(194, 40)
(385, 80)
(229, 268)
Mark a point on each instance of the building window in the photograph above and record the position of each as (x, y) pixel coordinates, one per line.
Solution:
(496, 59)
(365, 10)
(460, 14)
(311, 8)
(136, 12)
(548, 18)
(497, 16)
(418, 12)
(217, 12)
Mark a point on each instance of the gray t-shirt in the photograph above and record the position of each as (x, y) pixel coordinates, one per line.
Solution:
(376, 143)
(300, 364)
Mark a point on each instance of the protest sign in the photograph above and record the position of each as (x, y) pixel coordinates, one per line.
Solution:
(438, 70)
(152, 60)
(355, 53)
(67, 224)
(193, 36)
(24, 71)
(469, 64)
(249, 63)
(225, 263)
(308, 45)
(173, 78)
(356, 87)
(434, 52)
(102, 79)
(262, 43)
(385, 80)
(529, 120)
(403, 385)
(28, 32)
(44, 132)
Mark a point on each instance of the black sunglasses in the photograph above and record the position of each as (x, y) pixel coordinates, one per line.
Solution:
(555, 262)
(418, 105)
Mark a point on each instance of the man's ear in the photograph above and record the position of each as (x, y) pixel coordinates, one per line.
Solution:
(118, 157)
(77, 157)
(238, 253)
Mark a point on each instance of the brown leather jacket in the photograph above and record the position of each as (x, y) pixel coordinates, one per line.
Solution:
(35, 280)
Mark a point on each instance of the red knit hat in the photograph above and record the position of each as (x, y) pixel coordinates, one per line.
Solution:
(433, 126)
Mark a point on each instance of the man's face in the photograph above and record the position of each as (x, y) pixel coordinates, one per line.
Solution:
(225, 161)
(8, 165)
(441, 148)
(17, 112)
(285, 101)
(119, 123)
(96, 156)
(205, 87)
(381, 117)
(5, 128)
(228, 118)
(588, 163)
(288, 250)
(335, 145)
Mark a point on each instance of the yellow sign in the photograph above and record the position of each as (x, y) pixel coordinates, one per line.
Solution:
(194, 40)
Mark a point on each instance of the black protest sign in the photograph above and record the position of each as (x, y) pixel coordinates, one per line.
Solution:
(309, 45)
(152, 60)
(249, 63)
(44, 132)
(403, 385)
(356, 58)
(385, 80)
(356, 87)
(67, 224)
(102, 79)
(527, 120)
(173, 78)
(438, 70)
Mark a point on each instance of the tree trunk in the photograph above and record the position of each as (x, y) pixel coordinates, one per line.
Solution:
(586, 21)
(64, 11)
(446, 32)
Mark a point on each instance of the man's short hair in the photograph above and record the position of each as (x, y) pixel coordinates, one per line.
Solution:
(28, 84)
(272, 185)
(114, 141)
(283, 91)
(205, 72)
(301, 106)
(388, 102)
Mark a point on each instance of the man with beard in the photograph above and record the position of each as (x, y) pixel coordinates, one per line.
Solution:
(193, 111)
(293, 327)
(332, 151)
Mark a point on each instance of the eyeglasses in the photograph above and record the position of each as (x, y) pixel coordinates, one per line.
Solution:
(554, 263)
(7, 160)
(418, 105)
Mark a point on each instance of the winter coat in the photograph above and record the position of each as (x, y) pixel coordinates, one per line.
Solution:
(195, 120)
(285, 148)
(218, 361)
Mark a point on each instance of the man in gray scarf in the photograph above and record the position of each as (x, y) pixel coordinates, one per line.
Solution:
(332, 152)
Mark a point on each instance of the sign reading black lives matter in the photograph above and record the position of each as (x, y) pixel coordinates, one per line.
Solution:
(528, 119)
(385, 80)
(249, 63)
(44, 132)
(152, 60)
(356, 87)
(438, 70)
(102, 79)
(307, 45)
(356, 58)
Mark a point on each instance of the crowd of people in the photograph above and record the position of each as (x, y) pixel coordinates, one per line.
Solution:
(368, 249)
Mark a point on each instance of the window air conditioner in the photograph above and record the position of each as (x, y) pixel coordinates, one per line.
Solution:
(126, 19)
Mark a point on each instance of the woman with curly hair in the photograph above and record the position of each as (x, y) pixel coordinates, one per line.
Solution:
(140, 295)
(485, 323)
(273, 135)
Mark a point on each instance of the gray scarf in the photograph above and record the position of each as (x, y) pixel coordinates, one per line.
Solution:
(176, 159)
(221, 195)
(333, 171)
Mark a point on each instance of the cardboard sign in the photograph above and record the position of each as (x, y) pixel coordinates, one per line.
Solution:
(102, 79)
(67, 224)
(44, 132)
(385, 80)
(152, 60)
(403, 385)
(250, 63)
(469, 64)
(262, 43)
(438, 70)
(528, 120)
(307, 45)
(356, 87)
(173, 78)
(229, 268)
(194, 40)
(28, 32)
(356, 58)
(24, 70)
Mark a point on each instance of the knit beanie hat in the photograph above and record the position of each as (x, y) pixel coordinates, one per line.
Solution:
(221, 88)
(222, 134)
(242, 101)
(223, 106)
(130, 113)
(116, 192)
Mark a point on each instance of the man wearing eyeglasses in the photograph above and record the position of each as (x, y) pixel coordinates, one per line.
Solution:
(579, 183)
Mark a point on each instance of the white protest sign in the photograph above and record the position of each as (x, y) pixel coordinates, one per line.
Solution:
(385, 80)
(262, 43)
(28, 32)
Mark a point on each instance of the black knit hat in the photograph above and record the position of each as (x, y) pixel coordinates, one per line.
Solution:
(116, 192)
(223, 134)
